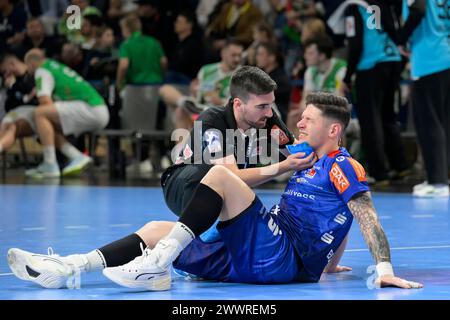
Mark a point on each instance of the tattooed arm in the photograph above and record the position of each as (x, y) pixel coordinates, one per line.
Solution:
(362, 208)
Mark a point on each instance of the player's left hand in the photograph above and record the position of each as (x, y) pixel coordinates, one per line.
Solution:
(393, 281)
(338, 269)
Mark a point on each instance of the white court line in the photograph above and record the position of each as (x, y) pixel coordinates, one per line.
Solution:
(77, 227)
(123, 225)
(33, 229)
(404, 248)
(421, 216)
(6, 274)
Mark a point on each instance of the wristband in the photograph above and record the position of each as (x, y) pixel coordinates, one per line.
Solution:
(385, 269)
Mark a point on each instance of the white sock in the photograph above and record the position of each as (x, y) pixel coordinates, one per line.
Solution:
(182, 234)
(70, 151)
(96, 260)
(89, 262)
(49, 154)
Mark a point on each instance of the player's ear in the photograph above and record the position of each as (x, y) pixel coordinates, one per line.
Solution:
(237, 102)
(335, 129)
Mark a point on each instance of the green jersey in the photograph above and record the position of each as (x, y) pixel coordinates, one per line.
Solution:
(144, 54)
(328, 81)
(212, 78)
(58, 81)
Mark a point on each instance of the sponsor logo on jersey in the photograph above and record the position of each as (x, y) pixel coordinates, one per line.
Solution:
(275, 210)
(279, 135)
(330, 254)
(359, 170)
(212, 139)
(310, 173)
(274, 227)
(187, 152)
(340, 158)
(297, 194)
(327, 238)
(338, 178)
(340, 218)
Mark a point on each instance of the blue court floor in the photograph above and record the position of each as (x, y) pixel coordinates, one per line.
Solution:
(77, 219)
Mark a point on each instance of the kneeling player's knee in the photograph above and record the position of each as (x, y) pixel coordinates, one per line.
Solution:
(216, 175)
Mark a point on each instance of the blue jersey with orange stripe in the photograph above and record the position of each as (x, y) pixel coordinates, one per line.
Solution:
(313, 211)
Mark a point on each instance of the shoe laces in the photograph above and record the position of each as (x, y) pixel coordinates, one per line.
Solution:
(146, 256)
(51, 253)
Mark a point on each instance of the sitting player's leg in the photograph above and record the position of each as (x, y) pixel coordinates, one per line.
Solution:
(78, 161)
(15, 124)
(53, 271)
(7, 136)
(222, 194)
(47, 123)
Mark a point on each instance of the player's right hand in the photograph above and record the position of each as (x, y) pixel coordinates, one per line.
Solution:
(296, 161)
(393, 281)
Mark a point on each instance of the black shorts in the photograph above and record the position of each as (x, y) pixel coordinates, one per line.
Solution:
(179, 183)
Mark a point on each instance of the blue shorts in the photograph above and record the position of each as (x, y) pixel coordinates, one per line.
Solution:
(252, 249)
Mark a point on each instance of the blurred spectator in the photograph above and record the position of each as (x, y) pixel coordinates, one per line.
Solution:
(48, 11)
(13, 20)
(269, 58)
(311, 28)
(73, 57)
(18, 82)
(100, 55)
(323, 73)
(210, 88)
(74, 35)
(90, 28)
(156, 23)
(204, 10)
(375, 60)
(142, 60)
(20, 102)
(117, 10)
(262, 33)
(188, 54)
(37, 38)
(236, 19)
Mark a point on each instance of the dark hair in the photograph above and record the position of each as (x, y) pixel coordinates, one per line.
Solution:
(189, 15)
(94, 20)
(331, 105)
(274, 50)
(234, 42)
(324, 44)
(266, 28)
(250, 80)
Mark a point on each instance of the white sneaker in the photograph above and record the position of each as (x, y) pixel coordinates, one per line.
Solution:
(77, 165)
(165, 163)
(49, 271)
(431, 191)
(141, 167)
(44, 170)
(151, 271)
(420, 186)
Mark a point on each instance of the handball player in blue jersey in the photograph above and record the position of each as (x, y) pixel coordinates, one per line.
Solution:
(296, 240)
